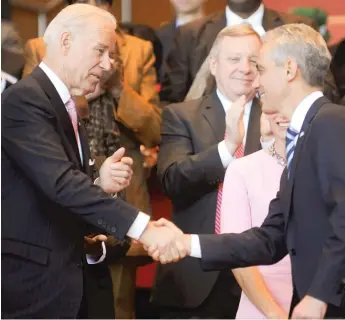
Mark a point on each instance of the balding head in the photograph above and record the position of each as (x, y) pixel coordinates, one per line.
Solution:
(76, 19)
(80, 44)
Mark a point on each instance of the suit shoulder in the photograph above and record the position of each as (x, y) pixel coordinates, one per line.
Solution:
(25, 90)
(196, 26)
(185, 109)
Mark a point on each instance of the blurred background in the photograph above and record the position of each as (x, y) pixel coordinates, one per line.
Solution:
(25, 13)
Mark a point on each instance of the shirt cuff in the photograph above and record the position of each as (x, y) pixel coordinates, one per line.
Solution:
(139, 225)
(195, 250)
(224, 154)
(266, 144)
(91, 260)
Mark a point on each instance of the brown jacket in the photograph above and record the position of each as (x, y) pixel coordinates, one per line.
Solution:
(138, 112)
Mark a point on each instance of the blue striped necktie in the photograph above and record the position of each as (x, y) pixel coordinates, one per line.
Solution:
(290, 146)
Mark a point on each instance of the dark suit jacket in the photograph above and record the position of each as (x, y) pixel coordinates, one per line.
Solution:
(49, 203)
(192, 45)
(166, 35)
(190, 170)
(306, 220)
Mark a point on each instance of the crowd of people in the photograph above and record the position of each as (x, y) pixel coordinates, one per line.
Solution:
(240, 115)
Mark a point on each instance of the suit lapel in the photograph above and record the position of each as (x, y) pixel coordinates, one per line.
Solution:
(271, 20)
(303, 136)
(215, 115)
(65, 121)
(253, 131)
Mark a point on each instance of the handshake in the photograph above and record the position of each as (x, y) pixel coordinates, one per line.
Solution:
(164, 242)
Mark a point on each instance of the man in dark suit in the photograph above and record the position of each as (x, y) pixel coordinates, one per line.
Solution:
(191, 164)
(307, 219)
(49, 202)
(185, 12)
(194, 41)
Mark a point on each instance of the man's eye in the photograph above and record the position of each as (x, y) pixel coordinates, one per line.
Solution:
(101, 51)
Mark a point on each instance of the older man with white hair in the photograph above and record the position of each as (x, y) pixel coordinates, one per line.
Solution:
(49, 201)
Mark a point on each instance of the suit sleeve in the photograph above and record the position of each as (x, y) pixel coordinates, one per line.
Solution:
(176, 79)
(31, 58)
(328, 137)
(139, 111)
(256, 246)
(31, 139)
(182, 172)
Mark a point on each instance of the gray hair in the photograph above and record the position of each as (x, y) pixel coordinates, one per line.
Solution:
(239, 30)
(306, 46)
(75, 17)
(204, 76)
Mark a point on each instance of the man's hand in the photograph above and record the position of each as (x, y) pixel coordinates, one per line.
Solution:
(173, 251)
(93, 244)
(150, 156)
(310, 308)
(163, 241)
(116, 172)
(234, 132)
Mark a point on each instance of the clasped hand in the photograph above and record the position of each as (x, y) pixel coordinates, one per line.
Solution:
(165, 242)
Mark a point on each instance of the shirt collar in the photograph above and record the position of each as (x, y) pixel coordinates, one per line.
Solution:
(226, 103)
(255, 19)
(60, 87)
(302, 110)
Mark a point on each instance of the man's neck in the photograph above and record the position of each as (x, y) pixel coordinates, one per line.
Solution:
(184, 18)
(299, 94)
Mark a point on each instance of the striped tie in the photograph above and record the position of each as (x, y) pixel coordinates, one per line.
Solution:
(291, 135)
(239, 153)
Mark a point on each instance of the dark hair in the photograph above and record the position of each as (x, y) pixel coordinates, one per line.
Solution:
(98, 2)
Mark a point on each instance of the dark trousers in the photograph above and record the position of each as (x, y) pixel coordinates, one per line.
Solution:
(222, 302)
(332, 312)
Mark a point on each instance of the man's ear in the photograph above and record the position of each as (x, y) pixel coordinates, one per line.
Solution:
(66, 42)
(291, 68)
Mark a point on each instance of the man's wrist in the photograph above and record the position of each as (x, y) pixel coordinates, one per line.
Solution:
(187, 241)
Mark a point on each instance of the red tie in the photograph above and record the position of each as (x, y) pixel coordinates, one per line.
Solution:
(239, 153)
(72, 111)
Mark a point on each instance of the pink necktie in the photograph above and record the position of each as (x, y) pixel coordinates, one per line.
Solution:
(72, 111)
(239, 153)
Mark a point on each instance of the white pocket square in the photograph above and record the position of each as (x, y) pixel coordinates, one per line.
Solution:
(301, 134)
(91, 162)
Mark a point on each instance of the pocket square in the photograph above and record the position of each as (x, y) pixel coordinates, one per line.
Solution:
(91, 162)
(301, 134)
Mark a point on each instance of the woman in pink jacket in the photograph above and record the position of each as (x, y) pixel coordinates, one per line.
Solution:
(250, 184)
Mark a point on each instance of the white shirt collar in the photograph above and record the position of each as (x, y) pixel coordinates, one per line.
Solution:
(226, 103)
(60, 87)
(255, 20)
(302, 110)
(179, 22)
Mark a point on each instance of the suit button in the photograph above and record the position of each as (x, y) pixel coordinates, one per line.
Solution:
(100, 221)
(293, 252)
(113, 229)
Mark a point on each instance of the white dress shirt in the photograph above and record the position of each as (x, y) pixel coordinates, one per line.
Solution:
(255, 20)
(142, 220)
(296, 124)
(224, 154)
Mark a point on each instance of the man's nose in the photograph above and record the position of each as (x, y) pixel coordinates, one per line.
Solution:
(106, 63)
(245, 66)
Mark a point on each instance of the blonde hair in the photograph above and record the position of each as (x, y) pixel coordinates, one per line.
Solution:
(306, 46)
(203, 75)
(75, 18)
